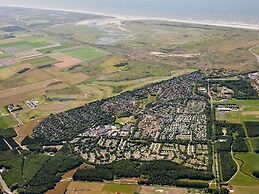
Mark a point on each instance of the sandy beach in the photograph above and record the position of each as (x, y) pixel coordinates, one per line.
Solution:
(118, 18)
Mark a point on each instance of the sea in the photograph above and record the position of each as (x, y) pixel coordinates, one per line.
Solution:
(243, 12)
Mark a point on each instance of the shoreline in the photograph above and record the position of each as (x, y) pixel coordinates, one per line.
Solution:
(162, 19)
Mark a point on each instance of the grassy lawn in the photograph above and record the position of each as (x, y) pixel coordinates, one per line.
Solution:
(7, 121)
(87, 54)
(41, 61)
(246, 189)
(249, 111)
(122, 188)
(250, 164)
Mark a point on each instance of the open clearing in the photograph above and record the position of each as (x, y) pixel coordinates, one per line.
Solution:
(87, 54)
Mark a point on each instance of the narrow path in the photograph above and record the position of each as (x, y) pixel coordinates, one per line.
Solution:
(238, 167)
(253, 53)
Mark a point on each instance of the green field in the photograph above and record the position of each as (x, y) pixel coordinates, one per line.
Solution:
(87, 54)
(24, 45)
(7, 121)
(249, 163)
(121, 188)
(41, 61)
(37, 22)
(249, 111)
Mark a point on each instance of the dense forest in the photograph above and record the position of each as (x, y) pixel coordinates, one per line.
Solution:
(252, 129)
(51, 172)
(151, 172)
(242, 88)
(228, 166)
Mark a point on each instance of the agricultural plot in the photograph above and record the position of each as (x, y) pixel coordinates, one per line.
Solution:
(101, 188)
(121, 188)
(22, 45)
(87, 54)
(65, 61)
(41, 61)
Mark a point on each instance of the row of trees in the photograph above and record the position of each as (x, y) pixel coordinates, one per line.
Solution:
(152, 172)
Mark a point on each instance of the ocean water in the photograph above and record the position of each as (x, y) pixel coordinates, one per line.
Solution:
(229, 11)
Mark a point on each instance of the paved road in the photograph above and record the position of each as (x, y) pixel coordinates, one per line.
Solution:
(4, 186)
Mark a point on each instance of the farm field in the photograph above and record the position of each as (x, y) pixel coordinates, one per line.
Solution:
(111, 188)
(23, 45)
(41, 61)
(87, 54)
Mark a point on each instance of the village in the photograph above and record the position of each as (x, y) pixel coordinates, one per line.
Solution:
(107, 144)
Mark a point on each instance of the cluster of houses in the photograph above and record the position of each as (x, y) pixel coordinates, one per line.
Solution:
(254, 78)
(173, 114)
(105, 149)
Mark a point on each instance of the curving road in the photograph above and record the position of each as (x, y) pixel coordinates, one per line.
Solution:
(238, 167)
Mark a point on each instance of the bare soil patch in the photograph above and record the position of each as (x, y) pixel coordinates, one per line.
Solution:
(65, 61)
